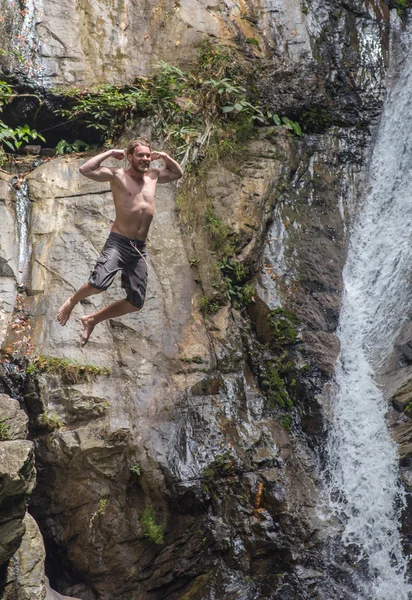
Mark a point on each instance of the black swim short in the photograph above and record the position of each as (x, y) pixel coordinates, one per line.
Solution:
(129, 256)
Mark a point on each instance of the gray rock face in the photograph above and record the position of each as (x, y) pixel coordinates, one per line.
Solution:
(26, 580)
(13, 420)
(181, 437)
(17, 479)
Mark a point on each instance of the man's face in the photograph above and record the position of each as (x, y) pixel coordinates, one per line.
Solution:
(140, 159)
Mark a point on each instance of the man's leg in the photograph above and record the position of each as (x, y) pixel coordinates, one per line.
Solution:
(66, 309)
(116, 309)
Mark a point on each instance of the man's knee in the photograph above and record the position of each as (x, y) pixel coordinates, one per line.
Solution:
(93, 290)
(134, 308)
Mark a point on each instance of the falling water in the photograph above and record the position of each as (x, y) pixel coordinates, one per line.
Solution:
(26, 44)
(364, 487)
(22, 219)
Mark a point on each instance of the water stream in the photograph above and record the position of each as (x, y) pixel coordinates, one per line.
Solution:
(23, 210)
(363, 478)
(26, 43)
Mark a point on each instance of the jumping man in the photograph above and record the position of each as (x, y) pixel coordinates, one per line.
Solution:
(125, 249)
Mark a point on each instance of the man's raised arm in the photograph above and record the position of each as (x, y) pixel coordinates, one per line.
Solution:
(92, 169)
(172, 169)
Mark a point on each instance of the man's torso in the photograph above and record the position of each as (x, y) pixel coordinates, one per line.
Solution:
(134, 203)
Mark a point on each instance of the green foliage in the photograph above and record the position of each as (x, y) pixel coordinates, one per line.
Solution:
(69, 372)
(234, 275)
(248, 293)
(50, 421)
(218, 232)
(212, 104)
(278, 375)
(253, 42)
(273, 383)
(5, 431)
(9, 137)
(100, 511)
(401, 5)
(408, 407)
(208, 307)
(136, 469)
(64, 147)
(286, 421)
(222, 466)
(151, 529)
(284, 328)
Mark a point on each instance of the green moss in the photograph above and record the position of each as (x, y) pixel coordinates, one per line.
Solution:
(273, 384)
(222, 466)
(218, 232)
(283, 326)
(286, 421)
(208, 307)
(192, 359)
(151, 529)
(69, 372)
(197, 587)
(248, 293)
(5, 431)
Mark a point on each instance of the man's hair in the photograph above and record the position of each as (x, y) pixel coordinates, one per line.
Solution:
(139, 142)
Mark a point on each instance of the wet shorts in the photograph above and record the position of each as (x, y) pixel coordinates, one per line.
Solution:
(122, 253)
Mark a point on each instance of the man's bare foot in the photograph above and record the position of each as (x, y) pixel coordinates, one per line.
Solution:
(88, 325)
(65, 312)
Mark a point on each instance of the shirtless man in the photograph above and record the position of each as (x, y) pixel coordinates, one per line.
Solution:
(134, 195)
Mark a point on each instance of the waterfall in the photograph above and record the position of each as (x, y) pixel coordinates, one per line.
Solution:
(24, 34)
(22, 220)
(363, 478)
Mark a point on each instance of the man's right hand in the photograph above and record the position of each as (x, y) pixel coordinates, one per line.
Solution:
(118, 154)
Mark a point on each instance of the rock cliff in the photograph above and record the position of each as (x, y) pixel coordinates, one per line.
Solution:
(177, 455)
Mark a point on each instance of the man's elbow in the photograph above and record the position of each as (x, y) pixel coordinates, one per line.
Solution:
(82, 170)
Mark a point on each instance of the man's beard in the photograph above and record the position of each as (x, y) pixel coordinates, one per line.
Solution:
(140, 167)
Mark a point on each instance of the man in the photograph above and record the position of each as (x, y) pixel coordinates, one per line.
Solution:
(125, 249)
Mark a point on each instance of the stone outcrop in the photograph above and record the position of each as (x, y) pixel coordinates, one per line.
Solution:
(169, 473)
(26, 579)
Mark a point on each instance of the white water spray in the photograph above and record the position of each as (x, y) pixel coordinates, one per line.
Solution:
(363, 463)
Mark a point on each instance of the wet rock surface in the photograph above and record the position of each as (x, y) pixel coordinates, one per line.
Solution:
(172, 473)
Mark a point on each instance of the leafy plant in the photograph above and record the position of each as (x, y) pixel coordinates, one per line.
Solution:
(9, 137)
(284, 325)
(151, 529)
(23, 133)
(100, 510)
(213, 104)
(273, 383)
(136, 469)
(5, 431)
(64, 147)
(208, 307)
(50, 422)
